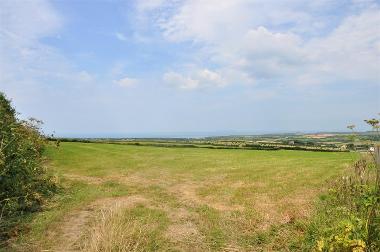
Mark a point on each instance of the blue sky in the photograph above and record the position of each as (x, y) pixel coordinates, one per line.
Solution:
(165, 67)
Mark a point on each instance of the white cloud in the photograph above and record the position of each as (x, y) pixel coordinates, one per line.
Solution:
(211, 77)
(126, 82)
(264, 54)
(288, 42)
(205, 20)
(351, 51)
(180, 81)
(199, 78)
(121, 36)
(25, 60)
(214, 20)
(28, 20)
(146, 5)
(261, 42)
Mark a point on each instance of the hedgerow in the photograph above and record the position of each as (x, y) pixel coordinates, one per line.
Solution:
(24, 183)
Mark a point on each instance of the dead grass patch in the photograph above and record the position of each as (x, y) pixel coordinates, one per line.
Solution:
(86, 179)
(185, 236)
(282, 211)
(187, 194)
(76, 222)
(118, 230)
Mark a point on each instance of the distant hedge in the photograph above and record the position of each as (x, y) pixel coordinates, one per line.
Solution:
(178, 144)
(24, 183)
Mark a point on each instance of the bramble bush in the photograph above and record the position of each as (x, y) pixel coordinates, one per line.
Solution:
(24, 182)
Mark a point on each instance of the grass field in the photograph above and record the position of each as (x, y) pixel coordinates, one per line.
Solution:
(142, 198)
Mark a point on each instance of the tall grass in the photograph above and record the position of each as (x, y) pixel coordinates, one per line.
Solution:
(124, 230)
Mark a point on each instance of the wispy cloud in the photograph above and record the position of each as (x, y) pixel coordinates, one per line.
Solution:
(180, 81)
(121, 36)
(127, 82)
(24, 57)
(200, 78)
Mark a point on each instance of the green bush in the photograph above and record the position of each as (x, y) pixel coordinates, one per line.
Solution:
(24, 183)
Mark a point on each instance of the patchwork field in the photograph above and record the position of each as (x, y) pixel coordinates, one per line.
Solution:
(140, 198)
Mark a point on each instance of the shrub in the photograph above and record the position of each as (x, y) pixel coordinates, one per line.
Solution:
(24, 183)
(352, 212)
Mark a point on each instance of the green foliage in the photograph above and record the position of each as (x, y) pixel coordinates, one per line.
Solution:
(349, 215)
(23, 180)
(349, 236)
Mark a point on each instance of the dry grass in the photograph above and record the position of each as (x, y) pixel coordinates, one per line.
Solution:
(115, 230)
(68, 233)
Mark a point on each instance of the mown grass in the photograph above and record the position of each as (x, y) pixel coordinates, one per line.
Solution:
(196, 199)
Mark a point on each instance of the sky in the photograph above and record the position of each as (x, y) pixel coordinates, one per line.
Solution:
(188, 67)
